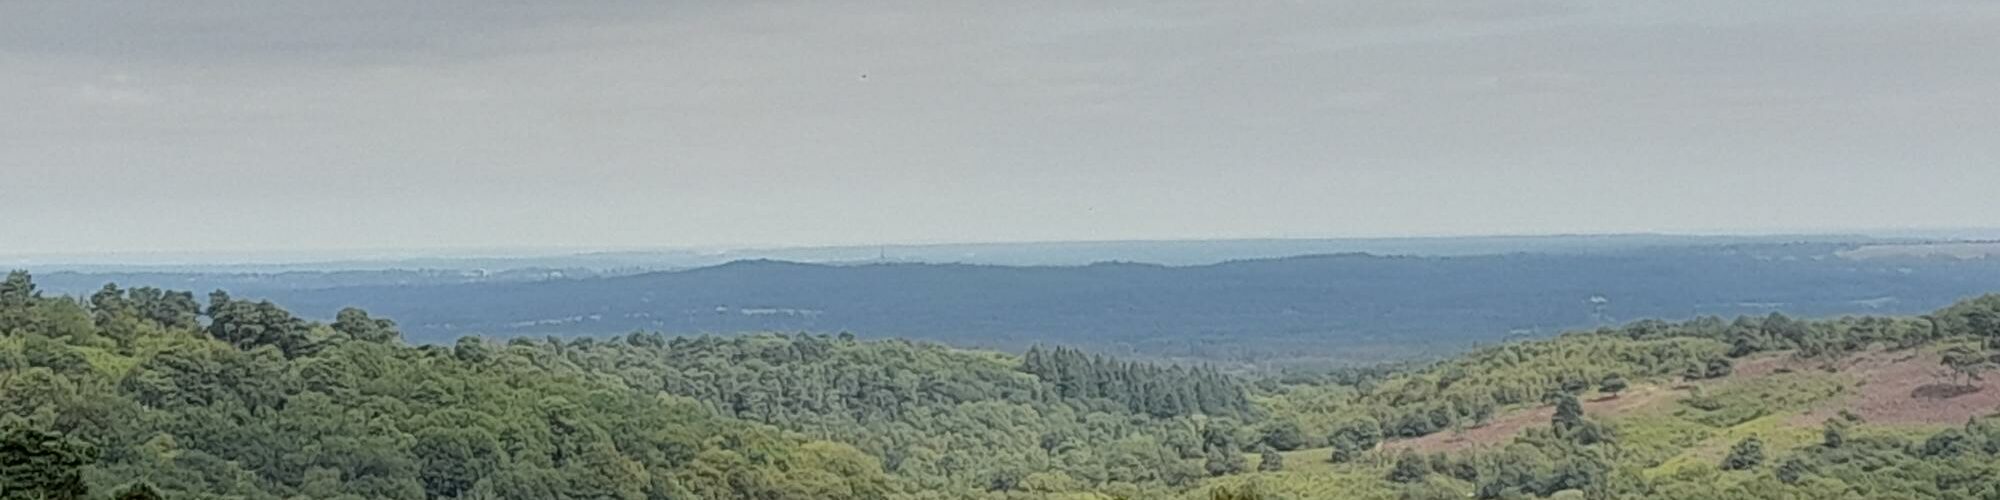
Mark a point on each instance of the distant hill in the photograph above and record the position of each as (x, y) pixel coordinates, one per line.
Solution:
(345, 266)
(1362, 307)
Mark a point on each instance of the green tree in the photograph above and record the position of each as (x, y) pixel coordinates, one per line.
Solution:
(356, 324)
(175, 310)
(1569, 414)
(1718, 368)
(37, 464)
(1574, 386)
(451, 460)
(18, 297)
(1344, 450)
(471, 350)
(1361, 432)
(67, 319)
(247, 324)
(1222, 462)
(109, 304)
(1613, 385)
(1409, 468)
(1284, 434)
(1270, 460)
(1834, 433)
(1746, 454)
(44, 352)
(1793, 470)
(1967, 364)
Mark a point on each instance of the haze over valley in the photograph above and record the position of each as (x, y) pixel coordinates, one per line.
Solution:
(1261, 302)
(1023, 250)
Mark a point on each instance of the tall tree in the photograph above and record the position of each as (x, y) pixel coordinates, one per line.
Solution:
(37, 464)
(1967, 364)
(356, 324)
(1569, 413)
(247, 324)
(17, 297)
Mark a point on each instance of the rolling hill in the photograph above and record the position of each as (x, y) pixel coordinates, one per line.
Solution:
(1354, 305)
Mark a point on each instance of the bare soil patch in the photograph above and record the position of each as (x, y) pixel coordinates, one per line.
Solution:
(1908, 388)
(1892, 387)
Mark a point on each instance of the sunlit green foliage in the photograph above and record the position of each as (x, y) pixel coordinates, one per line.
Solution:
(142, 393)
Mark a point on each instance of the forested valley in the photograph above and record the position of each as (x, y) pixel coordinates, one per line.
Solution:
(146, 393)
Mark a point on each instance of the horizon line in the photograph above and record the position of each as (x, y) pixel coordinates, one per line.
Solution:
(364, 255)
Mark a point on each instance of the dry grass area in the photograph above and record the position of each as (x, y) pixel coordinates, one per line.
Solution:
(1889, 387)
(1908, 388)
(1504, 427)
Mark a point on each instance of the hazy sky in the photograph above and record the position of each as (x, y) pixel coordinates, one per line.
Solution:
(320, 124)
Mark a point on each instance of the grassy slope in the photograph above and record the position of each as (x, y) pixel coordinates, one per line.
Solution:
(1666, 435)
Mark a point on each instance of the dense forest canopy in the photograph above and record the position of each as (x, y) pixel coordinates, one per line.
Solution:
(149, 393)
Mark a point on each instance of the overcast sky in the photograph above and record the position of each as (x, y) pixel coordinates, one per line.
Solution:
(234, 125)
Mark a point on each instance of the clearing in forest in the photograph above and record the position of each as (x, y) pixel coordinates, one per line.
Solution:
(1908, 388)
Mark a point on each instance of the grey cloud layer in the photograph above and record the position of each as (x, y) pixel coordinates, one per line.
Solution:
(375, 123)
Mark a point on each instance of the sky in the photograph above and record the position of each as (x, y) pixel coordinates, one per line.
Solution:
(233, 125)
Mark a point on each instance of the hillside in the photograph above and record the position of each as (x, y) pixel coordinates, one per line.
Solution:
(390, 267)
(1351, 307)
(148, 392)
